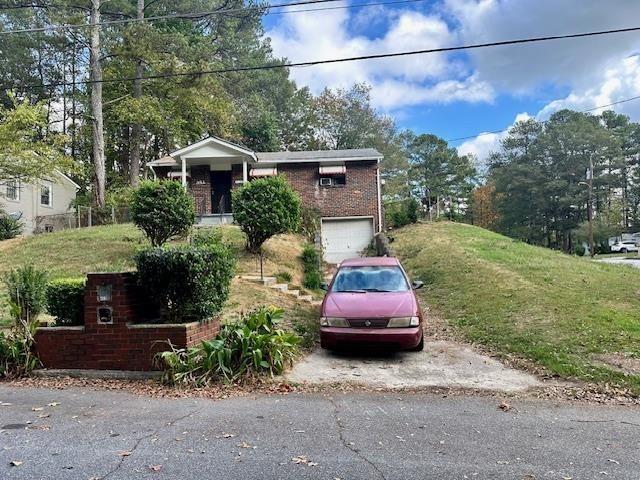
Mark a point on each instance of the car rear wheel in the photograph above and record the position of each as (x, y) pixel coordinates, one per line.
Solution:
(623, 250)
(420, 346)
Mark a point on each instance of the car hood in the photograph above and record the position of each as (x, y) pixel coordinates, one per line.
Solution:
(369, 304)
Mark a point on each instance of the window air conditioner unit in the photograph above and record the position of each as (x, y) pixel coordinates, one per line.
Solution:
(325, 181)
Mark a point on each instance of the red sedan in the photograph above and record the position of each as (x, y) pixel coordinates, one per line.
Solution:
(371, 301)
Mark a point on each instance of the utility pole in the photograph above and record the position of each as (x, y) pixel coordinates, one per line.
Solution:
(592, 251)
(97, 121)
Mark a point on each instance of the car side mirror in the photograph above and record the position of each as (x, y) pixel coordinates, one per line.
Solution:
(324, 286)
(417, 284)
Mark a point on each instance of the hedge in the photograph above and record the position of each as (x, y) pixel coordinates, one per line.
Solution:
(65, 300)
(188, 283)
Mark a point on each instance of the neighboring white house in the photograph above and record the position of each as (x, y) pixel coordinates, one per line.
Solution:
(38, 201)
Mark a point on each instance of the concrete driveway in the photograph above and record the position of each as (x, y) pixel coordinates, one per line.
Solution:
(441, 364)
(632, 262)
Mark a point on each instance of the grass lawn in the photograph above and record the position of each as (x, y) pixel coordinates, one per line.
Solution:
(567, 314)
(72, 253)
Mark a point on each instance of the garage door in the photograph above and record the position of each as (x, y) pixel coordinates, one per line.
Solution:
(346, 238)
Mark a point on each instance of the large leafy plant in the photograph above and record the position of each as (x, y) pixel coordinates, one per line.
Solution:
(254, 346)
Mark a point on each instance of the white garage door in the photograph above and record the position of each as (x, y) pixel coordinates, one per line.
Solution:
(346, 238)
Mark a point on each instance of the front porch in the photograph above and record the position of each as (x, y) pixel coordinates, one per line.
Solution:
(210, 170)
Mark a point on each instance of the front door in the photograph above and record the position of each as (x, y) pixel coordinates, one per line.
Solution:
(221, 192)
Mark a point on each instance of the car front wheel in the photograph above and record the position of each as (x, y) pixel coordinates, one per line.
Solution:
(420, 346)
(623, 250)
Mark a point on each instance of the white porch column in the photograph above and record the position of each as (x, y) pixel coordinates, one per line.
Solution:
(184, 172)
(245, 171)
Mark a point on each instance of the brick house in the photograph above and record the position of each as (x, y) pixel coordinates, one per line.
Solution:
(344, 185)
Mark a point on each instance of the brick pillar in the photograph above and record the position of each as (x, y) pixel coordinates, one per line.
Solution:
(201, 188)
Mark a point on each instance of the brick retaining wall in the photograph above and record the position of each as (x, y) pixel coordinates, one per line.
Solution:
(122, 344)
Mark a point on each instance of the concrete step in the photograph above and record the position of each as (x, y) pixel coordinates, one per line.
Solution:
(283, 287)
(256, 278)
(293, 293)
(306, 298)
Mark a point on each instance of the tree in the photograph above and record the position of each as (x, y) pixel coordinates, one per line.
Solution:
(264, 208)
(162, 210)
(27, 151)
(483, 207)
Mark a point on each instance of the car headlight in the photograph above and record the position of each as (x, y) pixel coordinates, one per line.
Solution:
(333, 322)
(403, 322)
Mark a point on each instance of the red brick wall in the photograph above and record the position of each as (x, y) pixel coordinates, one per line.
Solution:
(201, 188)
(123, 344)
(359, 197)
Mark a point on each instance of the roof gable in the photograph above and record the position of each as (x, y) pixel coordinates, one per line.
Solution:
(212, 147)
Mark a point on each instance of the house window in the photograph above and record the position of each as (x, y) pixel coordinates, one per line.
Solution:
(13, 190)
(46, 195)
(333, 180)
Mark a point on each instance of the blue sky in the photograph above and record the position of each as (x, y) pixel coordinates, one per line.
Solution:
(463, 94)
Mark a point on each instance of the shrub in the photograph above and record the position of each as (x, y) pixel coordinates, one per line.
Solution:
(65, 300)
(579, 250)
(188, 283)
(252, 347)
(9, 227)
(265, 207)
(207, 236)
(399, 217)
(162, 210)
(16, 352)
(306, 325)
(412, 210)
(26, 287)
(283, 277)
(311, 265)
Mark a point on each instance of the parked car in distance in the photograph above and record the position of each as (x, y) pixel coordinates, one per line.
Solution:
(371, 301)
(624, 247)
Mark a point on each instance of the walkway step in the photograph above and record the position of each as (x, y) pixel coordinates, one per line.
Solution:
(293, 293)
(306, 298)
(283, 287)
(256, 278)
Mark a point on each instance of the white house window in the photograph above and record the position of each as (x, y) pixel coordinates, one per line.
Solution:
(13, 190)
(46, 195)
(333, 180)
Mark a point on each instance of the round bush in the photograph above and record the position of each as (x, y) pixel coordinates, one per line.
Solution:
(265, 207)
(9, 227)
(65, 300)
(162, 210)
(188, 283)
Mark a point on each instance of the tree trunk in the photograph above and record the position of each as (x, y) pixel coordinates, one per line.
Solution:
(95, 75)
(136, 129)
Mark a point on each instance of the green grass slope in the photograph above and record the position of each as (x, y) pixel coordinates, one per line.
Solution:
(563, 313)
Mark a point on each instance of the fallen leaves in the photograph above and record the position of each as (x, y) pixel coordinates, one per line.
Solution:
(154, 468)
(505, 407)
(245, 445)
(53, 404)
(15, 463)
(37, 409)
(124, 453)
(303, 460)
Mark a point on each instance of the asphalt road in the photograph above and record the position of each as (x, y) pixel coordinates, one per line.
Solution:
(102, 434)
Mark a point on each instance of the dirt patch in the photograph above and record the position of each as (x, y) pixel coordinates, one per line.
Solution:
(441, 364)
(619, 362)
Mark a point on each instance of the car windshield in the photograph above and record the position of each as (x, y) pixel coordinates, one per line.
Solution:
(370, 279)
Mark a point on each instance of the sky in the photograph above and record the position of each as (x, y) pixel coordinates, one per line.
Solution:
(464, 94)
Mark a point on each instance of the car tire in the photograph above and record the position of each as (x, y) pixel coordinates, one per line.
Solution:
(623, 250)
(420, 346)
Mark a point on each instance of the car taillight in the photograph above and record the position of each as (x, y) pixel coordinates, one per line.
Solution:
(398, 322)
(333, 322)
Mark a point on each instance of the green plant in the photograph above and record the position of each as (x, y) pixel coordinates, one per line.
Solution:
(16, 351)
(26, 287)
(311, 265)
(9, 227)
(399, 217)
(283, 277)
(412, 210)
(264, 208)
(252, 347)
(307, 326)
(207, 236)
(579, 250)
(65, 300)
(162, 210)
(188, 283)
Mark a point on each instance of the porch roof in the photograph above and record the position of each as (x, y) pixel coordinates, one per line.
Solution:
(319, 156)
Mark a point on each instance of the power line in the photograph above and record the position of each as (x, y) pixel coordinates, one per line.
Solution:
(187, 16)
(341, 60)
(494, 132)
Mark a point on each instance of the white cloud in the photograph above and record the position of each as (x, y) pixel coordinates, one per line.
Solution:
(396, 82)
(522, 68)
(619, 82)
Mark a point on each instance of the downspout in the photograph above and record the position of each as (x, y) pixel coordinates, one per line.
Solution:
(379, 198)
(184, 172)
